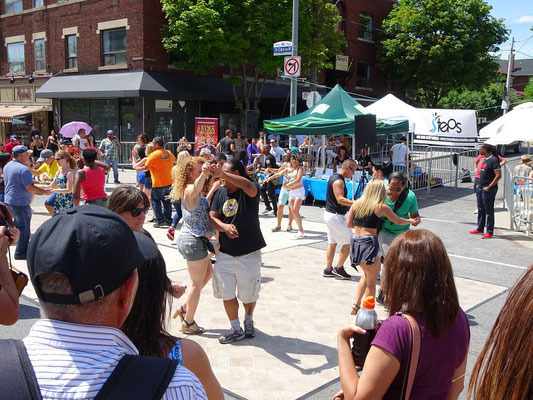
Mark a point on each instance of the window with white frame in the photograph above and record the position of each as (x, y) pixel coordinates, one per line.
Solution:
(40, 55)
(15, 57)
(72, 51)
(38, 3)
(365, 27)
(13, 6)
(364, 75)
(114, 46)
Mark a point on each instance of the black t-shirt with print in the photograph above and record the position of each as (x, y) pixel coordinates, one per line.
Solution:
(225, 146)
(488, 166)
(242, 211)
(270, 161)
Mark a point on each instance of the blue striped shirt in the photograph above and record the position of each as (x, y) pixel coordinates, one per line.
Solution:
(72, 361)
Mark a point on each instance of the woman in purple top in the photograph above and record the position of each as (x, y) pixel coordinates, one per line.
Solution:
(419, 282)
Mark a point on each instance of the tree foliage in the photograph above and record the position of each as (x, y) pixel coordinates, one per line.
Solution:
(239, 34)
(432, 47)
(529, 91)
(486, 101)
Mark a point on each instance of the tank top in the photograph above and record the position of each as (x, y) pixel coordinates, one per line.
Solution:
(93, 186)
(196, 223)
(370, 221)
(81, 142)
(332, 205)
(37, 151)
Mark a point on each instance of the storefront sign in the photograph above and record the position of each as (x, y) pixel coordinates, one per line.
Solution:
(448, 127)
(341, 62)
(205, 132)
(24, 94)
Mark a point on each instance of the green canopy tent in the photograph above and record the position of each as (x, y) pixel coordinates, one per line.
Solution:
(333, 115)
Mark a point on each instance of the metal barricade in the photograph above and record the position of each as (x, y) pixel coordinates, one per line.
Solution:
(518, 195)
(124, 154)
(174, 146)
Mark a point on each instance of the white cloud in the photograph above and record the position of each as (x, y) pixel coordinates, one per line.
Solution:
(526, 19)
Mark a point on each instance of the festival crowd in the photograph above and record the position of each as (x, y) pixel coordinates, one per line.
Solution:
(105, 295)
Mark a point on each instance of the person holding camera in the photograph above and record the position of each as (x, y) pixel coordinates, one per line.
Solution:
(9, 297)
(109, 147)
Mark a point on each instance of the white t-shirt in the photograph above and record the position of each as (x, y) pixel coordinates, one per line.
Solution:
(277, 152)
(399, 154)
(300, 139)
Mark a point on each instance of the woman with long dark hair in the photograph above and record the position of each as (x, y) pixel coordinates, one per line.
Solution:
(420, 283)
(64, 180)
(504, 368)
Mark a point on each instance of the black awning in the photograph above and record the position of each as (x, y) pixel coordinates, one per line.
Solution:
(160, 85)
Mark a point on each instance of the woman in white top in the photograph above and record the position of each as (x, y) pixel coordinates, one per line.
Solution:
(295, 173)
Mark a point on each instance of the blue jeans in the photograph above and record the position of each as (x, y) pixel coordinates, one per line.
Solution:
(176, 218)
(22, 217)
(485, 209)
(113, 164)
(161, 204)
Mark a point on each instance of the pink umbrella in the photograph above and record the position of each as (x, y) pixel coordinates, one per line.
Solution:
(71, 129)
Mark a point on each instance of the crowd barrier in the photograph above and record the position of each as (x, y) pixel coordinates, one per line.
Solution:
(517, 198)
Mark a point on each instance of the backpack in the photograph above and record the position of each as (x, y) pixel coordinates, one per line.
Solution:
(134, 377)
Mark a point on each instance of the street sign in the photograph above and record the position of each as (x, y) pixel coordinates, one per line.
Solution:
(282, 48)
(291, 66)
(313, 98)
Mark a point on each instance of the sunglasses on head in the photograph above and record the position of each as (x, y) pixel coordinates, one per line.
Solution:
(137, 211)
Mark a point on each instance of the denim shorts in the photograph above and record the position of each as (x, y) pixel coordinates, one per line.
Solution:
(192, 248)
(148, 181)
(283, 197)
(51, 200)
(141, 177)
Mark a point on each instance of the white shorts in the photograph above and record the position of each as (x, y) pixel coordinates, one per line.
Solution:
(297, 194)
(238, 274)
(283, 199)
(337, 230)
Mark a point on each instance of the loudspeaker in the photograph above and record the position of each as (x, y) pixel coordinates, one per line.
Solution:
(252, 122)
(365, 131)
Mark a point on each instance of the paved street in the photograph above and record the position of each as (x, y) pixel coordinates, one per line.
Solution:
(297, 316)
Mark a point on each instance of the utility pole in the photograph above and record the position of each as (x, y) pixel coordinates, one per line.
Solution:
(294, 81)
(510, 62)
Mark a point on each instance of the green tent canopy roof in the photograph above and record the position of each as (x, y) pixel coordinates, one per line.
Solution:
(333, 115)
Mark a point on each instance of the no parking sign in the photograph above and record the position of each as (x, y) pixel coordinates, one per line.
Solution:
(291, 66)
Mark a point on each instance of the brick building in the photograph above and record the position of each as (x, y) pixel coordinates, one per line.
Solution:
(102, 61)
(521, 73)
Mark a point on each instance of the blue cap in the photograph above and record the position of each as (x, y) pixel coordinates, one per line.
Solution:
(18, 150)
(294, 149)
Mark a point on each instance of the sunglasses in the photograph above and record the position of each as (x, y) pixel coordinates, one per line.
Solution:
(59, 158)
(394, 190)
(137, 211)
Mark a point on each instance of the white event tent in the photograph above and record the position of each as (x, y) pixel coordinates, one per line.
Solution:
(392, 108)
(516, 125)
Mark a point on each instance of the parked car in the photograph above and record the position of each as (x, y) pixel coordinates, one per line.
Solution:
(502, 148)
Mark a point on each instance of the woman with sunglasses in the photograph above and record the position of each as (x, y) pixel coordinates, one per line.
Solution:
(190, 178)
(64, 180)
(240, 143)
(364, 217)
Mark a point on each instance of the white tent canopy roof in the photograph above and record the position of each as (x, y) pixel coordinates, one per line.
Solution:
(516, 125)
(392, 108)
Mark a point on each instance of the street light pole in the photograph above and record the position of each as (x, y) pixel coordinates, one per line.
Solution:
(294, 81)
(510, 62)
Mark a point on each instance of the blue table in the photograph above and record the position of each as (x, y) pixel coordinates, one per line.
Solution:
(318, 187)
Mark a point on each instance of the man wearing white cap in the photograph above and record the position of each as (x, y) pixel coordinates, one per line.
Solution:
(109, 147)
(18, 195)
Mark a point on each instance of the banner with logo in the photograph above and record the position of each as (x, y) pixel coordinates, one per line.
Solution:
(205, 133)
(448, 128)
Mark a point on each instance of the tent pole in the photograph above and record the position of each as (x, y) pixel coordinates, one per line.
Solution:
(353, 158)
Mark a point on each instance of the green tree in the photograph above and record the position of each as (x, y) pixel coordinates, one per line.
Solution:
(529, 91)
(486, 101)
(239, 34)
(433, 46)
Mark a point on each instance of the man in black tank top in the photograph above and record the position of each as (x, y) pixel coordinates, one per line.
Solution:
(337, 205)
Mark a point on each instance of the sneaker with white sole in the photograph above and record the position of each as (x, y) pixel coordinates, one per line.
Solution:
(267, 212)
(276, 229)
(340, 273)
(249, 330)
(299, 235)
(231, 336)
(328, 273)
(289, 229)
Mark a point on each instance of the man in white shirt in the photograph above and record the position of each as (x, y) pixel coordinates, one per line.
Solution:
(276, 151)
(83, 266)
(400, 154)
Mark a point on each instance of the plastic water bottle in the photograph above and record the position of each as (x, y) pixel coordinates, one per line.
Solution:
(368, 320)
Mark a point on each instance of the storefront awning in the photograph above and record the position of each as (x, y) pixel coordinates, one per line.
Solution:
(159, 85)
(8, 112)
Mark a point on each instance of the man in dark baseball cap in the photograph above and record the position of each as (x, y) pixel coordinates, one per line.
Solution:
(83, 265)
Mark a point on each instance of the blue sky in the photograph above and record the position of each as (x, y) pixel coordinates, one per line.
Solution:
(518, 16)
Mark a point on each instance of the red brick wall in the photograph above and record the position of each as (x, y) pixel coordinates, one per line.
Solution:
(143, 38)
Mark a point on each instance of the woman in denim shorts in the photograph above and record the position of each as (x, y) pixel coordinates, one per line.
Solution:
(190, 177)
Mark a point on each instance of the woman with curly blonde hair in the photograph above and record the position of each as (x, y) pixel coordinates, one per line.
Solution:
(189, 178)
(182, 156)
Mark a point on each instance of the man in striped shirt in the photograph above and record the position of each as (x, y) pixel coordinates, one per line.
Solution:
(83, 266)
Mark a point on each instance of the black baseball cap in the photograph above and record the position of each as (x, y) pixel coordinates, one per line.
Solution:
(92, 247)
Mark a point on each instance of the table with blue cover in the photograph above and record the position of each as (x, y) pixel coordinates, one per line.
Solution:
(318, 187)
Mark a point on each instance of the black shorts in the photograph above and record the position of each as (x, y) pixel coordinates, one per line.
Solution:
(364, 249)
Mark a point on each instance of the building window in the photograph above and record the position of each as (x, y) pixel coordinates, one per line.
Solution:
(37, 3)
(364, 75)
(15, 57)
(40, 58)
(114, 46)
(365, 27)
(13, 6)
(72, 51)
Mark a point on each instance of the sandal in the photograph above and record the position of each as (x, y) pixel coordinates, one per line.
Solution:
(186, 328)
(355, 309)
(180, 313)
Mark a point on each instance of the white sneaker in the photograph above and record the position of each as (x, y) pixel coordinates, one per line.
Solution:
(289, 229)
(267, 212)
(299, 235)
(475, 212)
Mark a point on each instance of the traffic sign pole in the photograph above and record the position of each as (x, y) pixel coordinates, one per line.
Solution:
(294, 86)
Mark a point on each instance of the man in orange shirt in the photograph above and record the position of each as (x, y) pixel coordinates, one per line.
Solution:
(160, 163)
